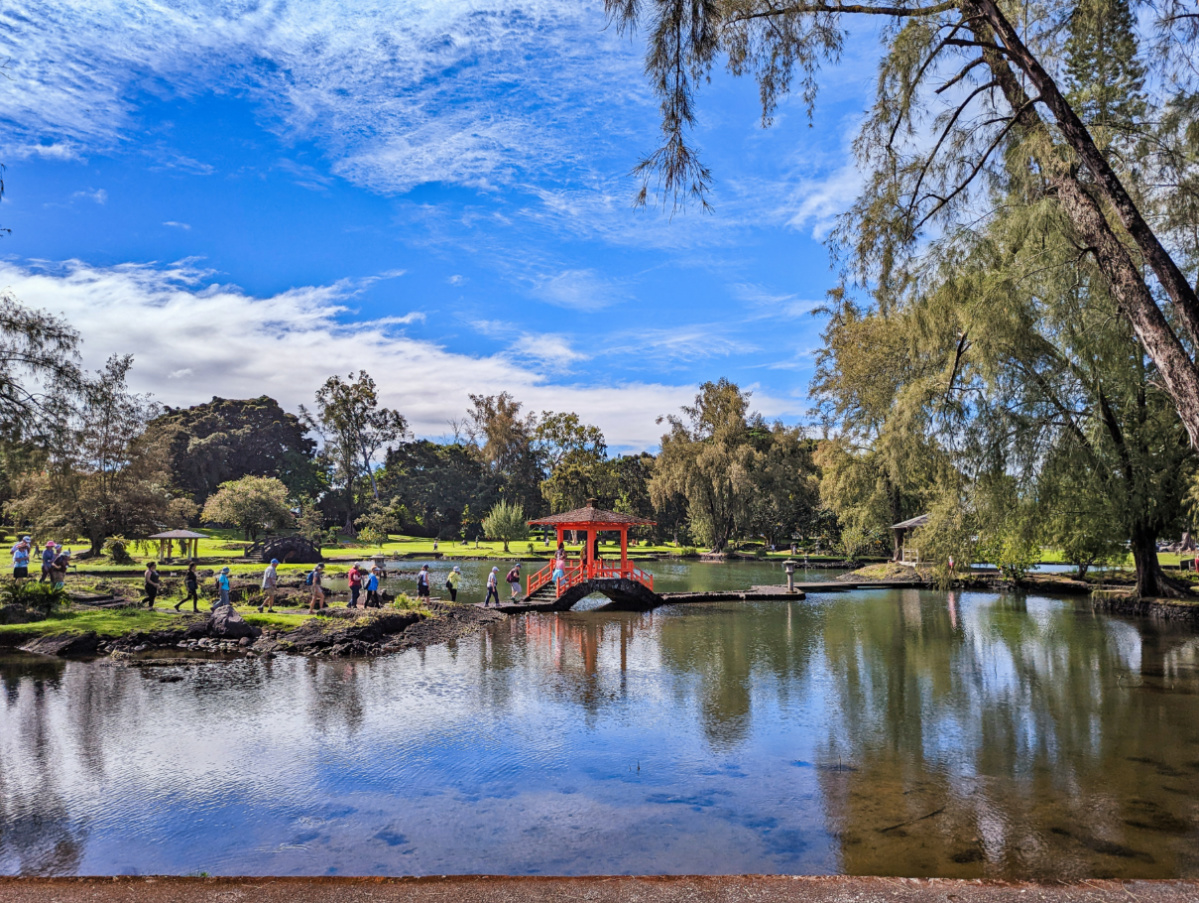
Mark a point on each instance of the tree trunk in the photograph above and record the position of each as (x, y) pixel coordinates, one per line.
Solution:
(1151, 580)
(1134, 298)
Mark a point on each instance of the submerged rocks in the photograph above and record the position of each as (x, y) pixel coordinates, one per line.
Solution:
(64, 644)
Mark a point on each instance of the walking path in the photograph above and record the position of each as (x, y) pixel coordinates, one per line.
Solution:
(474, 889)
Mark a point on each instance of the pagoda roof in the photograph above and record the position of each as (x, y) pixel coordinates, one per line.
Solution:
(179, 534)
(591, 516)
(918, 521)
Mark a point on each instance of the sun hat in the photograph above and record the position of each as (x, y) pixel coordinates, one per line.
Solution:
(495, 570)
(225, 569)
(458, 569)
(274, 561)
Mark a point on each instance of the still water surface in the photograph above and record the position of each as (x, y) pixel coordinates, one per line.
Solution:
(876, 732)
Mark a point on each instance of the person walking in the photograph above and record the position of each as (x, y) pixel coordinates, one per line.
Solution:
(422, 582)
(372, 590)
(451, 583)
(191, 588)
(224, 587)
(317, 602)
(270, 584)
(355, 581)
(513, 580)
(493, 588)
(153, 581)
(20, 558)
(48, 555)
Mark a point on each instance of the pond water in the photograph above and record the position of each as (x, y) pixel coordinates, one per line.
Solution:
(896, 732)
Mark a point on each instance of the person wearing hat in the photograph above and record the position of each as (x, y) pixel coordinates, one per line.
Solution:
(493, 587)
(270, 582)
(422, 582)
(451, 583)
(58, 568)
(513, 580)
(225, 587)
(153, 582)
(48, 555)
(191, 586)
(20, 558)
(318, 591)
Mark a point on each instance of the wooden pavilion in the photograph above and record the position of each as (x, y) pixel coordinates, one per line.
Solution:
(591, 521)
(905, 551)
(189, 543)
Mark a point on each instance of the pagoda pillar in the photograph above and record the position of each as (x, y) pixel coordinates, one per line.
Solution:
(624, 550)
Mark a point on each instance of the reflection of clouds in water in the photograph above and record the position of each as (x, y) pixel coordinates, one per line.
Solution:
(862, 731)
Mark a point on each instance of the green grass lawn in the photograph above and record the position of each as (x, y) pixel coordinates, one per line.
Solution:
(112, 622)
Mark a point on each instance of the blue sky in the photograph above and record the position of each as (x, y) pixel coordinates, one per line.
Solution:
(250, 197)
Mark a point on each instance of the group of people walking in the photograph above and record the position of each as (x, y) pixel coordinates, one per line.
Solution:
(363, 584)
(55, 559)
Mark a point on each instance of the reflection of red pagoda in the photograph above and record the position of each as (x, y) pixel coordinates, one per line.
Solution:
(622, 582)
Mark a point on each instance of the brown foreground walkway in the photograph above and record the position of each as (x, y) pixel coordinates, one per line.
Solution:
(725, 889)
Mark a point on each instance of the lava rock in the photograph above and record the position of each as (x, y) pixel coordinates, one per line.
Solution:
(226, 623)
(64, 644)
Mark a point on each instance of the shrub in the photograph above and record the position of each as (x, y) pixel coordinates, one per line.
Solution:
(41, 598)
(116, 549)
(404, 602)
(688, 552)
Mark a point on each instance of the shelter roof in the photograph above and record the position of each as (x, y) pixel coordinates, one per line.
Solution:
(179, 534)
(591, 516)
(918, 521)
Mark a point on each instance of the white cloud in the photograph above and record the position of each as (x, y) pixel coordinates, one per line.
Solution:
(99, 195)
(177, 225)
(547, 351)
(193, 338)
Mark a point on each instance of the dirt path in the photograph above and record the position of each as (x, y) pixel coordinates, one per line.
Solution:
(760, 889)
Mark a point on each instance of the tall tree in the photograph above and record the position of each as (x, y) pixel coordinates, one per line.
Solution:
(504, 440)
(707, 459)
(252, 504)
(226, 439)
(101, 481)
(982, 73)
(356, 431)
(39, 372)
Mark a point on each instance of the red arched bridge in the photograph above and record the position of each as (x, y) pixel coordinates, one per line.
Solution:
(627, 585)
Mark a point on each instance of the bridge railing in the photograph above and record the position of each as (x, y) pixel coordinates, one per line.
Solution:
(577, 572)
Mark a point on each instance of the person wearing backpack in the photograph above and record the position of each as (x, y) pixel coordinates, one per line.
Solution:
(191, 583)
(422, 583)
(513, 579)
(355, 581)
(451, 583)
(318, 591)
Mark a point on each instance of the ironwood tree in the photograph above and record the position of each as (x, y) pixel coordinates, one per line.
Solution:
(965, 85)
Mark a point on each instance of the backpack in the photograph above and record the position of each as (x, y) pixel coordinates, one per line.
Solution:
(513, 576)
(308, 579)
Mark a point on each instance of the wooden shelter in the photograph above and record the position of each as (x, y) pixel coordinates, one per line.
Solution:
(905, 551)
(591, 521)
(189, 543)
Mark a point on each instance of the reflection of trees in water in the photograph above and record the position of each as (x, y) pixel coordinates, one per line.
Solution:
(37, 836)
(335, 700)
(1027, 742)
(720, 649)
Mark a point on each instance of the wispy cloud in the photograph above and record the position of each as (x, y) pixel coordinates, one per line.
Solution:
(395, 92)
(98, 195)
(583, 290)
(186, 227)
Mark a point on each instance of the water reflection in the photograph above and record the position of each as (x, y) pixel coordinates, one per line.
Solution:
(885, 732)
